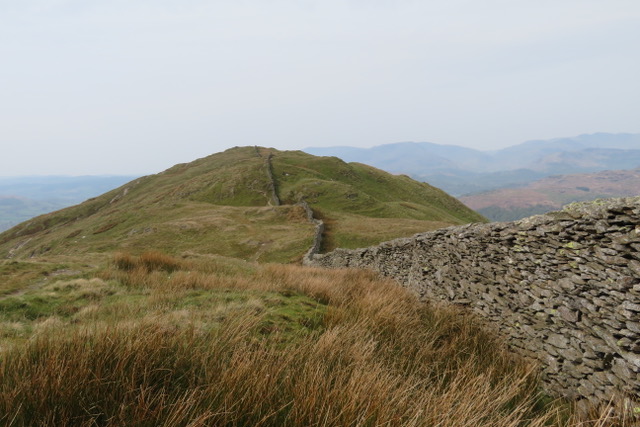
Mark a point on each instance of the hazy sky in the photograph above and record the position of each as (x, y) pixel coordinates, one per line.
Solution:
(135, 86)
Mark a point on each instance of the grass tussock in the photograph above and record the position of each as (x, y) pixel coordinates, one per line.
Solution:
(364, 352)
(148, 261)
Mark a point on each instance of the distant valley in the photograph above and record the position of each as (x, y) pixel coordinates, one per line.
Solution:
(22, 198)
(14, 210)
(552, 193)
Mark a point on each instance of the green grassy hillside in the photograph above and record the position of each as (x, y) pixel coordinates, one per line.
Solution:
(333, 185)
(223, 204)
(146, 307)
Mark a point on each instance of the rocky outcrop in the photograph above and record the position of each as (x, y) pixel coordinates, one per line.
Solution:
(563, 288)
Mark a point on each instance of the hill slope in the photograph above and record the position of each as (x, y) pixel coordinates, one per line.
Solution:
(226, 204)
(92, 337)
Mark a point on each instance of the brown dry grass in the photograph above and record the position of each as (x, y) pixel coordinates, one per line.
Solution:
(379, 358)
(148, 261)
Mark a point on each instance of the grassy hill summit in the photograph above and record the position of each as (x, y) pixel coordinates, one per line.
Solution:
(242, 203)
(161, 303)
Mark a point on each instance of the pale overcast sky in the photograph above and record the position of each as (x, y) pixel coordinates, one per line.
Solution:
(135, 86)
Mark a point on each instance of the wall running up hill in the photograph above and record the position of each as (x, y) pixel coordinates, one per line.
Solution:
(563, 288)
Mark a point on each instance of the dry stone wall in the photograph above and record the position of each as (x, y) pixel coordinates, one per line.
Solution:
(563, 288)
(317, 235)
(269, 169)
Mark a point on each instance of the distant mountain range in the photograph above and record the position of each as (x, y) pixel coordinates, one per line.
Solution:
(459, 170)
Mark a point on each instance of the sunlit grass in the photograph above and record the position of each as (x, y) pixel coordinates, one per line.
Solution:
(199, 344)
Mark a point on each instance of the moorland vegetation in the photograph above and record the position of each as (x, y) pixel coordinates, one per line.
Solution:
(177, 300)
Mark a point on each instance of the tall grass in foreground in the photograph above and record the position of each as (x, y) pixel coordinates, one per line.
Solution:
(380, 359)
